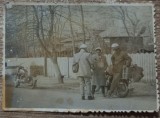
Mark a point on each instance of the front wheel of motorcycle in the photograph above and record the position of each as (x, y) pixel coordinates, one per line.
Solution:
(17, 83)
(34, 84)
(122, 90)
(30, 82)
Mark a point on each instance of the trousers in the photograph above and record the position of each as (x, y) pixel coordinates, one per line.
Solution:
(115, 81)
(94, 89)
(85, 82)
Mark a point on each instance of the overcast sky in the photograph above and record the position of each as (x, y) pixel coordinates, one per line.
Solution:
(96, 16)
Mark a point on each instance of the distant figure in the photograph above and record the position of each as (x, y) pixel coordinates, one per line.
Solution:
(119, 60)
(84, 71)
(100, 66)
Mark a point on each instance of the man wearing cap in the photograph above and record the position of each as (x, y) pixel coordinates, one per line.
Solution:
(84, 71)
(119, 60)
(98, 79)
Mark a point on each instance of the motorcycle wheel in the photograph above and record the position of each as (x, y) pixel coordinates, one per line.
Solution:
(122, 89)
(30, 82)
(17, 83)
(34, 84)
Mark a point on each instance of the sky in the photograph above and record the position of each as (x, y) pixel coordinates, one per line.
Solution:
(96, 16)
(100, 17)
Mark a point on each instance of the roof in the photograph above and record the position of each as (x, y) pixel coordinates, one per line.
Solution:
(115, 32)
(80, 38)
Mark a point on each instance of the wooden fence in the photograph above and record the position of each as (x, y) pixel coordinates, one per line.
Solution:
(146, 61)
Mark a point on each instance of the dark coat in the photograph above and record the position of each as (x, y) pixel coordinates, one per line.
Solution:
(120, 59)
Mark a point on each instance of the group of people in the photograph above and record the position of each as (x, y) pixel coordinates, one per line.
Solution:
(92, 69)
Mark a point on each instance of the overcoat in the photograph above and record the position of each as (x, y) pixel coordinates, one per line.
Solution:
(84, 60)
(100, 66)
(120, 59)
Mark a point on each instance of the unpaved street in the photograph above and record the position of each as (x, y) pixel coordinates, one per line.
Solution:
(142, 98)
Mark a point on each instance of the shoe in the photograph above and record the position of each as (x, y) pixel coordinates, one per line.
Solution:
(109, 95)
(104, 95)
(83, 97)
(90, 98)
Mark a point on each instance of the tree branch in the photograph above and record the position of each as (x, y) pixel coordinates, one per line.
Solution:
(37, 32)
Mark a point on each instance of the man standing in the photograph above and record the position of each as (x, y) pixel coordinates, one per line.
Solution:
(119, 60)
(84, 71)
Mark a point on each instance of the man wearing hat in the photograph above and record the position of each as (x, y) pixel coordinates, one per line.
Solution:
(98, 79)
(84, 71)
(119, 60)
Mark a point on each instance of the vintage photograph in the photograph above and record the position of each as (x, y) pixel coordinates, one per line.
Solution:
(80, 57)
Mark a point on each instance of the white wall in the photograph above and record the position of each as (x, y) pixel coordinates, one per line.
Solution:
(147, 61)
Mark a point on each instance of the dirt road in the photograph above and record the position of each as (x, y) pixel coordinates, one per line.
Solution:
(71, 99)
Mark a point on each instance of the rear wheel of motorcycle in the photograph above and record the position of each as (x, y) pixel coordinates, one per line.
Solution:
(34, 84)
(31, 82)
(122, 90)
(17, 83)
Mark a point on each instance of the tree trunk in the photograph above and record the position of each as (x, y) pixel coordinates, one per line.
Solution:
(44, 46)
(57, 72)
(45, 66)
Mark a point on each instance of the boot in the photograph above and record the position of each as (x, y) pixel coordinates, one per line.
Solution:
(83, 97)
(109, 94)
(90, 98)
(103, 91)
(93, 89)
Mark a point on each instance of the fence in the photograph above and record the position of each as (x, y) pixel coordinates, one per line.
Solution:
(146, 61)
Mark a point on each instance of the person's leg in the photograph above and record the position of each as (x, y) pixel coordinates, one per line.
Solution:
(103, 90)
(114, 84)
(88, 87)
(82, 85)
(97, 88)
(93, 89)
(110, 81)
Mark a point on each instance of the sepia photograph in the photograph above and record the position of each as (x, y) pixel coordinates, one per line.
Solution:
(80, 58)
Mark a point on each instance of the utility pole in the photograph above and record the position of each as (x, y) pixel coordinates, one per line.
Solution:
(71, 29)
(25, 43)
(84, 35)
(34, 43)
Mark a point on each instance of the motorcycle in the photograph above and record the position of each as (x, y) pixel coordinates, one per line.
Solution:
(122, 89)
(22, 77)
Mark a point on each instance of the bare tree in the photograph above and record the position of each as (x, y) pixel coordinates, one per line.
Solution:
(14, 32)
(44, 39)
(131, 23)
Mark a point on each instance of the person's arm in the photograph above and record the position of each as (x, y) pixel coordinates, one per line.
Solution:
(74, 60)
(90, 59)
(113, 60)
(105, 63)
